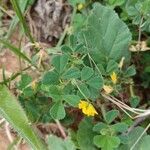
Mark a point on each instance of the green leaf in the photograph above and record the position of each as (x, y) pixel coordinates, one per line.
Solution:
(11, 110)
(22, 19)
(72, 73)
(72, 100)
(130, 71)
(112, 66)
(95, 82)
(83, 91)
(106, 142)
(120, 127)
(106, 35)
(111, 115)
(85, 135)
(50, 77)
(55, 93)
(75, 2)
(86, 73)
(56, 143)
(25, 81)
(23, 5)
(66, 49)
(134, 101)
(132, 137)
(57, 111)
(99, 126)
(145, 145)
(115, 3)
(78, 21)
(60, 62)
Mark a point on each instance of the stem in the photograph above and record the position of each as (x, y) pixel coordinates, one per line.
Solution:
(75, 83)
(62, 36)
(139, 36)
(131, 90)
(61, 129)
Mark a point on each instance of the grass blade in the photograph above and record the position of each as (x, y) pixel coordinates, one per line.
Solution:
(15, 50)
(21, 19)
(23, 5)
(14, 114)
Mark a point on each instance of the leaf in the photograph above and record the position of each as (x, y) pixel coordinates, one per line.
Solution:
(73, 100)
(50, 77)
(57, 111)
(106, 35)
(21, 19)
(145, 145)
(60, 62)
(130, 71)
(66, 49)
(15, 50)
(95, 82)
(86, 73)
(85, 135)
(75, 2)
(112, 66)
(99, 126)
(78, 21)
(56, 143)
(111, 115)
(11, 110)
(72, 73)
(133, 135)
(115, 3)
(25, 81)
(106, 142)
(55, 93)
(120, 127)
(22, 4)
(84, 91)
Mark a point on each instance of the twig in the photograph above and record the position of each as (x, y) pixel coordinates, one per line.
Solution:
(136, 122)
(2, 120)
(61, 129)
(140, 137)
(8, 132)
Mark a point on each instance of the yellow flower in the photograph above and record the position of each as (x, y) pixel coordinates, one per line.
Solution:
(87, 108)
(34, 84)
(114, 77)
(108, 89)
(80, 6)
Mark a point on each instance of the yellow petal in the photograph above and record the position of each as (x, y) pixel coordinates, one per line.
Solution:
(108, 89)
(87, 108)
(82, 104)
(80, 6)
(114, 77)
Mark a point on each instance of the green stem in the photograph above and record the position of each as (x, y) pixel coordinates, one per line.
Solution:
(131, 90)
(75, 83)
(22, 19)
(62, 37)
